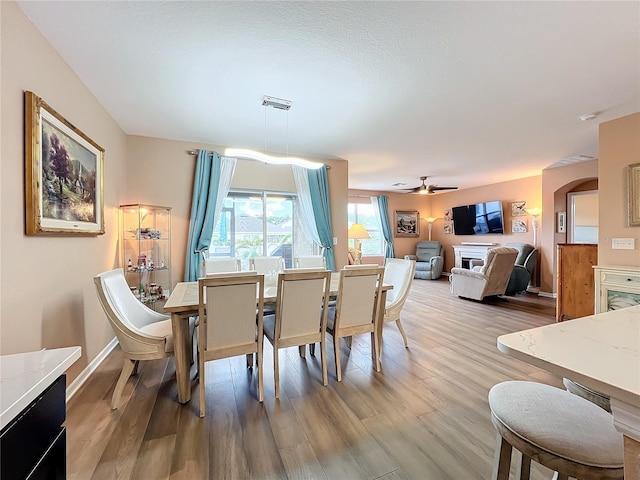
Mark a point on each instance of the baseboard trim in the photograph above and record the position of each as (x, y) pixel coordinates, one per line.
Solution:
(548, 294)
(74, 386)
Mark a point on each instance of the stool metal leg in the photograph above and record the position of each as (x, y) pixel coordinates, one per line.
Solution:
(502, 459)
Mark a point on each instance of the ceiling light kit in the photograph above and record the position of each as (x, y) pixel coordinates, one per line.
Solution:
(428, 189)
(280, 104)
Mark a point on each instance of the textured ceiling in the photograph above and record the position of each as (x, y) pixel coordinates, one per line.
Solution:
(469, 93)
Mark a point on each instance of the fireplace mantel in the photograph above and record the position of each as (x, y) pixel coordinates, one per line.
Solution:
(467, 251)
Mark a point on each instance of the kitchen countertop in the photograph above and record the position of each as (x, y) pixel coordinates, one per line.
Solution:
(24, 376)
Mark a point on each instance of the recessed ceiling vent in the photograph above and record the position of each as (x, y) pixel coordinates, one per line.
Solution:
(274, 102)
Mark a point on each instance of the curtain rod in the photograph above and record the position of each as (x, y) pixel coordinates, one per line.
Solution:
(195, 152)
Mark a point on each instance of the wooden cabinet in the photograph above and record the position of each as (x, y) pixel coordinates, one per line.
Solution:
(575, 280)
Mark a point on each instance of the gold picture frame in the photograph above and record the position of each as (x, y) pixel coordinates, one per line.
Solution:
(63, 175)
(407, 223)
(633, 192)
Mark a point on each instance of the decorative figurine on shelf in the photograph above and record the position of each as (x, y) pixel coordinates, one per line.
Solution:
(129, 265)
(150, 263)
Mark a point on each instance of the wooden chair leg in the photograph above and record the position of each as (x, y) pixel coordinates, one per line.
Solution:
(323, 362)
(501, 460)
(302, 349)
(135, 367)
(375, 347)
(201, 383)
(525, 468)
(276, 371)
(127, 368)
(249, 360)
(336, 352)
(312, 349)
(259, 358)
(404, 335)
(349, 341)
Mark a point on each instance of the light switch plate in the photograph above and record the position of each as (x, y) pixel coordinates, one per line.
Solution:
(623, 243)
(335, 240)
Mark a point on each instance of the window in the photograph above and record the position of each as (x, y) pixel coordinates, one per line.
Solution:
(255, 224)
(364, 213)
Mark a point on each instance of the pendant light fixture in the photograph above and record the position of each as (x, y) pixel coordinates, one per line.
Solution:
(279, 104)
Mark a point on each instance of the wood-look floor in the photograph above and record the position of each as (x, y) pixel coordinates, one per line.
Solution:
(424, 416)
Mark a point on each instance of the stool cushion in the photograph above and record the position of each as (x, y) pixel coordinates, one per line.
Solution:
(558, 422)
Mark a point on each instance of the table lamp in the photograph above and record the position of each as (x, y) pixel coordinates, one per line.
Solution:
(357, 232)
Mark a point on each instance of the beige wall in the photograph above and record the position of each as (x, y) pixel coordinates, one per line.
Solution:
(619, 147)
(161, 173)
(47, 293)
(556, 183)
(526, 189)
(400, 201)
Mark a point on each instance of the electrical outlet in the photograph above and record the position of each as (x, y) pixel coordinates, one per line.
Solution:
(623, 243)
(335, 240)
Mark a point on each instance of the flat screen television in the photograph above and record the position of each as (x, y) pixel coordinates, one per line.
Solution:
(478, 219)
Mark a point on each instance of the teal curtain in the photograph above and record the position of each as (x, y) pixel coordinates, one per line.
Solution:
(387, 232)
(319, 190)
(205, 194)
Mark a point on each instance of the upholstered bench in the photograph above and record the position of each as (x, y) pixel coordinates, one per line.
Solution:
(557, 429)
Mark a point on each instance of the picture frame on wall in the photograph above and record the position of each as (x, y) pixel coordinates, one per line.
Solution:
(519, 225)
(448, 228)
(633, 194)
(407, 223)
(518, 209)
(63, 175)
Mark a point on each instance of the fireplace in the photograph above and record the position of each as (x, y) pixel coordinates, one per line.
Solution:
(468, 251)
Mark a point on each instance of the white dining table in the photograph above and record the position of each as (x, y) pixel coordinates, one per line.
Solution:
(183, 303)
(599, 351)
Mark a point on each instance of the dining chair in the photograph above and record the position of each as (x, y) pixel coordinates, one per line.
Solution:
(229, 324)
(143, 334)
(267, 265)
(220, 265)
(399, 273)
(300, 317)
(359, 301)
(309, 261)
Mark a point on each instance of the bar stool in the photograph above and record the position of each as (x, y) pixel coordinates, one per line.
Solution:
(557, 429)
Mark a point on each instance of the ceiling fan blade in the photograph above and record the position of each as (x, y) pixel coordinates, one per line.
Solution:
(435, 188)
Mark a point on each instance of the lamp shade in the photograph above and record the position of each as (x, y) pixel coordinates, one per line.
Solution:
(534, 212)
(357, 231)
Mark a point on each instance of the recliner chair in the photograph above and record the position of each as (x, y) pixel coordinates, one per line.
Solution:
(489, 280)
(429, 259)
(523, 268)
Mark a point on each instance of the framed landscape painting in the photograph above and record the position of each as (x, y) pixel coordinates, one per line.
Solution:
(63, 175)
(407, 223)
(633, 190)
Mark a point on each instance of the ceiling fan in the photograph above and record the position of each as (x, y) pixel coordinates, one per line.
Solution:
(428, 189)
